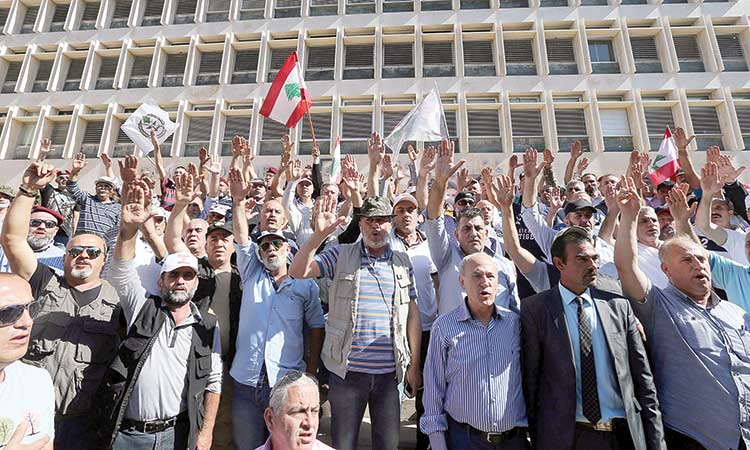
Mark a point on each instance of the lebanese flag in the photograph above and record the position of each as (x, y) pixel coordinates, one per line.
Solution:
(287, 100)
(336, 162)
(666, 163)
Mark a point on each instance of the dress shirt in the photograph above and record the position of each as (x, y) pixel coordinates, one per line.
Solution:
(271, 320)
(701, 363)
(610, 399)
(421, 263)
(473, 374)
(733, 277)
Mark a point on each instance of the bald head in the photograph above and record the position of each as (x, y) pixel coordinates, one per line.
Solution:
(478, 278)
(15, 292)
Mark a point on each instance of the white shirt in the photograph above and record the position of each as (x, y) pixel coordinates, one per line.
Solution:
(26, 394)
(648, 261)
(421, 262)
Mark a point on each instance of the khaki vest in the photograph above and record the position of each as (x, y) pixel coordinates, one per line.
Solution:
(343, 300)
(75, 345)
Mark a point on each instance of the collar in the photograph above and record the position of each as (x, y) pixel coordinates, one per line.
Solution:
(194, 311)
(365, 252)
(464, 313)
(569, 297)
(421, 237)
(713, 301)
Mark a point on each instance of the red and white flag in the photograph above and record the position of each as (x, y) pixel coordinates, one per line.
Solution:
(666, 163)
(288, 99)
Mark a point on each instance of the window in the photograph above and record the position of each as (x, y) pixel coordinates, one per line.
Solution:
(688, 53)
(320, 63)
(27, 26)
(121, 14)
(398, 5)
(645, 54)
(360, 6)
(234, 126)
(553, 3)
(743, 118)
(356, 128)
(210, 67)
(123, 145)
(59, 16)
(658, 119)
(88, 17)
(270, 140)
(11, 77)
(438, 59)
(174, 69)
(25, 137)
(484, 131)
(58, 134)
(185, 12)
(475, 4)
(152, 13)
(92, 137)
(479, 59)
(390, 120)
(514, 3)
(593, 2)
(436, 5)
(287, 8)
(324, 7)
(561, 57)
(519, 57)
(108, 67)
(451, 119)
(252, 9)
(322, 123)
(634, 2)
(603, 57)
(359, 62)
(571, 126)
(706, 126)
(526, 125)
(3, 18)
(198, 135)
(245, 66)
(218, 10)
(616, 130)
(75, 73)
(398, 60)
(278, 57)
(731, 52)
(140, 71)
(43, 71)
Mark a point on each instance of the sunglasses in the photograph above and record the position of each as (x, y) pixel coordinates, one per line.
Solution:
(10, 314)
(47, 223)
(277, 243)
(91, 252)
(465, 202)
(186, 275)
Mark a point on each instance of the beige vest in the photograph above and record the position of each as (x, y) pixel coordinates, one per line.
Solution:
(343, 299)
(75, 345)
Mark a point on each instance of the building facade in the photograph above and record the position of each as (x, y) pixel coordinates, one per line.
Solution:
(511, 73)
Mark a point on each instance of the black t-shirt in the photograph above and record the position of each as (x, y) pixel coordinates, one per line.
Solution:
(44, 274)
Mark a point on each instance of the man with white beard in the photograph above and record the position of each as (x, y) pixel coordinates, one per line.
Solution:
(274, 312)
(75, 335)
(43, 227)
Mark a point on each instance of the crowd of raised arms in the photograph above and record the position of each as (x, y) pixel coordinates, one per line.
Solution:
(217, 307)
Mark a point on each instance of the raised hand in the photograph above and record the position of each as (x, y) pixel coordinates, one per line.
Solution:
(79, 162)
(38, 175)
(295, 170)
(412, 153)
(45, 146)
(350, 175)
(576, 149)
(375, 149)
(106, 160)
(184, 188)
(583, 164)
(681, 139)
(128, 169)
(503, 192)
(315, 153)
(531, 169)
(549, 158)
(192, 170)
(134, 211)
(386, 168)
(287, 145)
(628, 199)
(513, 164)
(324, 213)
(239, 144)
(713, 154)
(213, 164)
(462, 179)
(155, 143)
(678, 206)
(445, 167)
(203, 156)
(727, 171)
(711, 181)
(427, 163)
(556, 201)
(610, 198)
(238, 188)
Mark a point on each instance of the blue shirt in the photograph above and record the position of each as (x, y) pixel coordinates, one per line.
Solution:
(473, 372)
(610, 399)
(734, 278)
(271, 320)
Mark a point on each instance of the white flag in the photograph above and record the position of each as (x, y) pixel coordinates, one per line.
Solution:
(336, 162)
(426, 122)
(146, 118)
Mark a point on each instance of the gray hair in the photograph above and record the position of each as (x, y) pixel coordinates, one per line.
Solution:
(469, 258)
(280, 390)
(682, 241)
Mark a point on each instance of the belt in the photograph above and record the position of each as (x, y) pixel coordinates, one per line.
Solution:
(153, 426)
(490, 437)
(609, 425)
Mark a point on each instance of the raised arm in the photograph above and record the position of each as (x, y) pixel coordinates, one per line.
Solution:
(317, 174)
(607, 229)
(678, 207)
(79, 162)
(238, 188)
(184, 194)
(107, 163)
(633, 280)
(275, 191)
(158, 161)
(426, 166)
(213, 167)
(444, 170)
(682, 142)
(303, 264)
(711, 184)
(375, 154)
(136, 209)
(576, 150)
(16, 227)
(531, 171)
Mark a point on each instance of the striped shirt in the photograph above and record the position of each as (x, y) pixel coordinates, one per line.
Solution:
(372, 342)
(96, 217)
(473, 372)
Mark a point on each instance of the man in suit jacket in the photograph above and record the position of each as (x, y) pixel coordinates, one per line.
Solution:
(587, 380)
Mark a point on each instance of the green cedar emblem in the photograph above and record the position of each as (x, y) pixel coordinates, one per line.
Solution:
(292, 90)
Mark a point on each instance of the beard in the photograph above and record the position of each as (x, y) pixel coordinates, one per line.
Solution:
(39, 242)
(273, 263)
(177, 299)
(375, 243)
(81, 274)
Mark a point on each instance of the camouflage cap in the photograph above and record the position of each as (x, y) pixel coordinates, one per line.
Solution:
(376, 206)
(7, 191)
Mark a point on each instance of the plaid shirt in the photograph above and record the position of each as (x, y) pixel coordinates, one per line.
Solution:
(96, 217)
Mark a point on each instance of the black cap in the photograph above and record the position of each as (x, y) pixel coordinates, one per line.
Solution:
(578, 205)
(278, 234)
(665, 183)
(464, 196)
(376, 206)
(221, 225)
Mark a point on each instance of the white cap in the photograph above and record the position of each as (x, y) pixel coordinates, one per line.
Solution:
(160, 212)
(177, 260)
(404, 198)
(218, 208)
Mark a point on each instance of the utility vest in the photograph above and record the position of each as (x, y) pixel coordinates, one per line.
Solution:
(343, 300)
(74, 344)
(115, 394)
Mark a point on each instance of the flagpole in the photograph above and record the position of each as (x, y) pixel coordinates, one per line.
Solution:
(309, 119)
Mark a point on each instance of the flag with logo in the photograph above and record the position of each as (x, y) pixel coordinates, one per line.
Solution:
(336, 162)
(666, 163)
(426, 122)
(147, 118)
(287, 99)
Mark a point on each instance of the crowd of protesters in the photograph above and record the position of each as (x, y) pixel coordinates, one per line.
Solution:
(216, 307)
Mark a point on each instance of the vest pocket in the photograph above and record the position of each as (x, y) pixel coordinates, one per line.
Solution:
(202, 362)
(333, 344)
(48, 331)
(98, 341)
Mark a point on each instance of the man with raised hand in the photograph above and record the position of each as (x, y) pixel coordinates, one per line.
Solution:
(698, 344)
(373, 329)
(471, 236)
(76, 334)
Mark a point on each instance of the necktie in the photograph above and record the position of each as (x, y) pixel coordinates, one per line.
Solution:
(588, 368)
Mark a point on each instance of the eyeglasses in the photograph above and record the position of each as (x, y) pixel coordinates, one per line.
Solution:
(47, 223)
(465, 202)
(91, 252)
(10, 314)
(186, 275)
(277, 243)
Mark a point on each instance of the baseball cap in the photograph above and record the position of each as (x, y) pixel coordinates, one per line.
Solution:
(272, 169)
(176, 260)
(464, 196)
(571, 230)
(7, 191)
(105, 179)
(218, 208)
(662, 208)
(257, 181)
(376, 206)
(160, 212)
(665, 183)
(63, 172)
(278, 234)
(305, 180)
(404, 198)
(226, 226)
(51, 212)
(578, 205)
